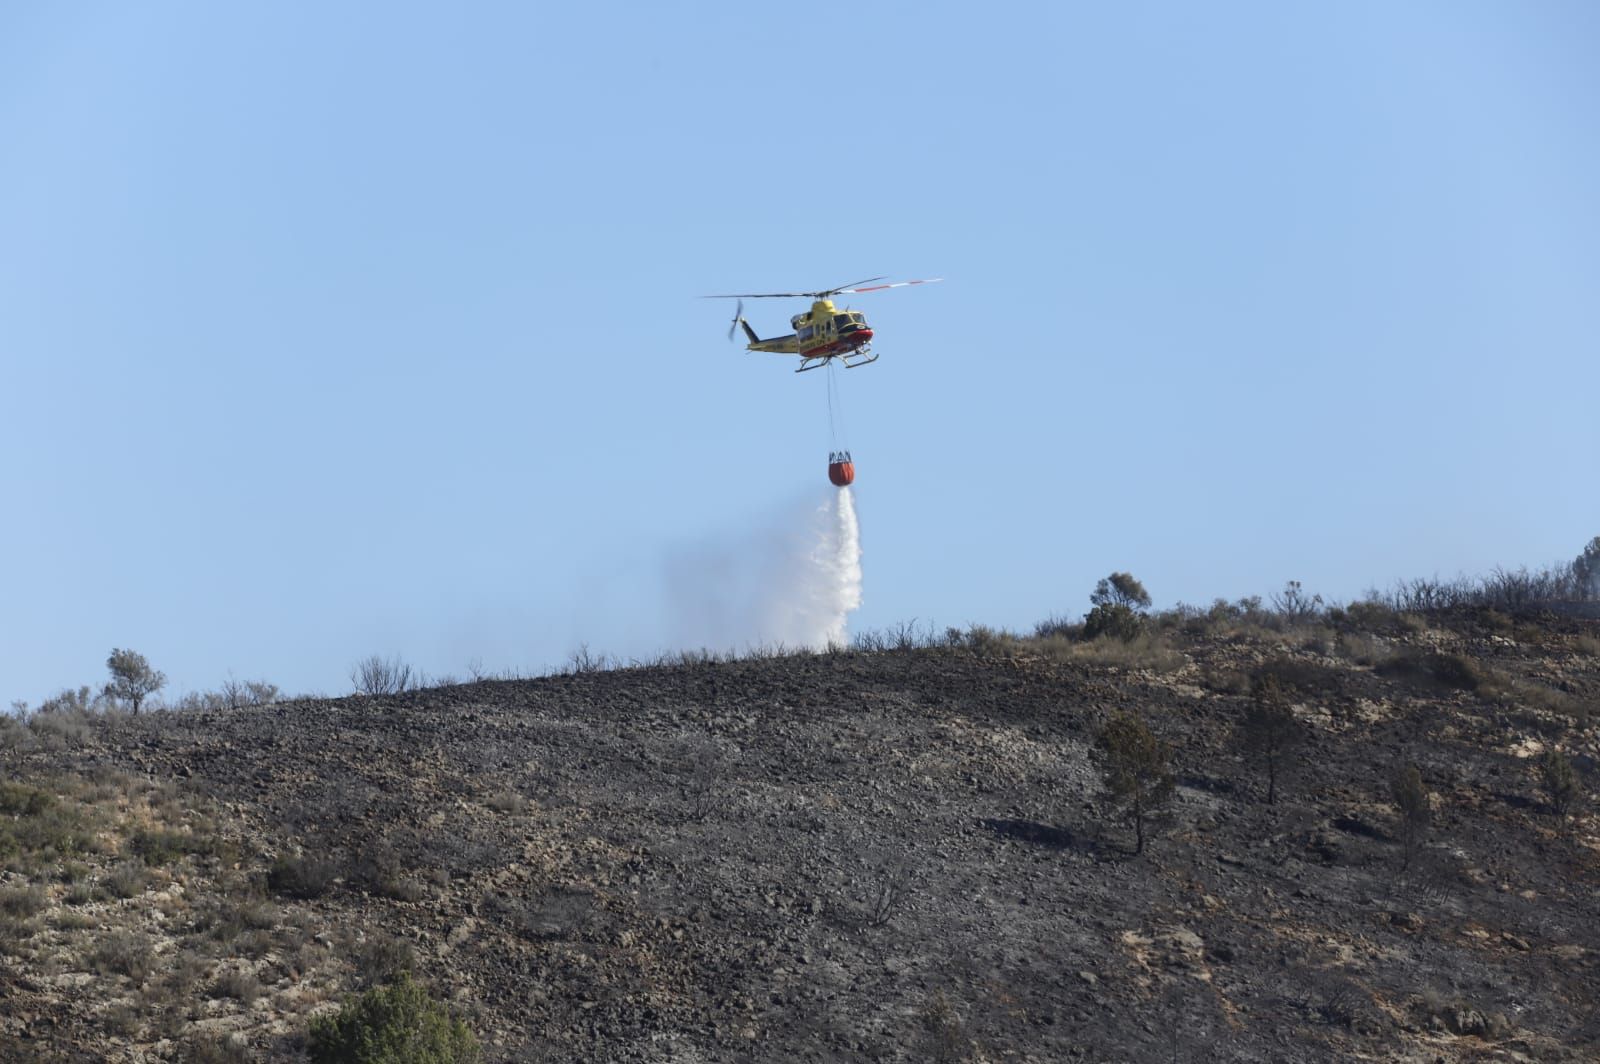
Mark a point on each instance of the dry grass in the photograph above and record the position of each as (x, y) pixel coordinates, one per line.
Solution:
(1145, 652)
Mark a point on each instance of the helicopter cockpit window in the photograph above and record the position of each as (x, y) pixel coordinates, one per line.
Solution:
(858, 319)
(841, 320)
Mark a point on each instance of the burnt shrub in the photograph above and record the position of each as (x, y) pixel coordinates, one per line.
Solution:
(1429, 667)
(303, 877)
(1560, 781)
(1412, 798)
(1294, 674)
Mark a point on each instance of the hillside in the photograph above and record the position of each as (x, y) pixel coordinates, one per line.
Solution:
(901, 854)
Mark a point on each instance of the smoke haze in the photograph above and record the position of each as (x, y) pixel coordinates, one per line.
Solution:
(793, 582)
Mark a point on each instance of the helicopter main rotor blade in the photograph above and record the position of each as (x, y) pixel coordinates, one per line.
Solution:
(851, 287)
(881, 287)
(763, 295)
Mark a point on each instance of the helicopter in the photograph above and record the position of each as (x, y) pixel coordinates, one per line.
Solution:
(822, 333)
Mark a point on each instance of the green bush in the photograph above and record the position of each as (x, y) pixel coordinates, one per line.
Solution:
(1113, 620)
(396, 1024)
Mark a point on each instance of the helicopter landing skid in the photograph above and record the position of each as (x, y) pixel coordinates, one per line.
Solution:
(859, 359)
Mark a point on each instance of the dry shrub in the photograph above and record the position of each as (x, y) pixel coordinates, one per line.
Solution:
(237, 983)
(1440, 1013)
(121, 1019)
(991, 642)
(1362, 649)
(62, 728)
(122, 953)
(382, 958)
(945, 1036)
(1372, 617)
(163, 846)
(1225, 680)
(1293, 674)
(1435, 669)
(233, 1048)
(509, 802)
(23, 902)
(15, 933)
(127, 880)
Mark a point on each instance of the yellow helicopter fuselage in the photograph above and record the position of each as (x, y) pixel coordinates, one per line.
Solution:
(824, 331)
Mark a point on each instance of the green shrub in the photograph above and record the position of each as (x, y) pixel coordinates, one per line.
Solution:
(1114, 620)
(396, 1024)
(19, 800)
(162, 846)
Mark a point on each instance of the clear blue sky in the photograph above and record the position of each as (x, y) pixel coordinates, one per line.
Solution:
(329, 330)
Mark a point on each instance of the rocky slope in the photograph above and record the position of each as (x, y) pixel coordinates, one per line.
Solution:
(897, 855)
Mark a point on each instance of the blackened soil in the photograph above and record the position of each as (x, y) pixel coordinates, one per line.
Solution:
(906, 856)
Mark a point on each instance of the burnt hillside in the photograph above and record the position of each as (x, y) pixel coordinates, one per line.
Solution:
(891, 855)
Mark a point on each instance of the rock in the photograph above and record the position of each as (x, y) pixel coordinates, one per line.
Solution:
(1408, 922)
(1465, 1021)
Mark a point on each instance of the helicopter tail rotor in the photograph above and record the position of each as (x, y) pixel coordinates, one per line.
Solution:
(738, 318)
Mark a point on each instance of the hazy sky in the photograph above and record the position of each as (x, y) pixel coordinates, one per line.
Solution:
(338, 329)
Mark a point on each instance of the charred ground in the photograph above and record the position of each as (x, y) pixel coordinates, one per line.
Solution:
(895, 854)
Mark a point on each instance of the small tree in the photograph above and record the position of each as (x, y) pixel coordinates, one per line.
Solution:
(1119, 603)
(1120, 589)
(1270, 730)
(1294, 605)
(1410, 794)
(396, 1024)
(1135, 771)
(1586, 570)
(1560, 781)
(132, 678)
(381, 676)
